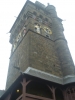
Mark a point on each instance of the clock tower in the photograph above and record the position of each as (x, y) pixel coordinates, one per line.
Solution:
(39, 47)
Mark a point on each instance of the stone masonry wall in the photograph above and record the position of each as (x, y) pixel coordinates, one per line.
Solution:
(42, 54)
(50, 55)
(34, 51)
(20, 58)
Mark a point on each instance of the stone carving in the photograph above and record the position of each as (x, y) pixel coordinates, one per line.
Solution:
(37, 28)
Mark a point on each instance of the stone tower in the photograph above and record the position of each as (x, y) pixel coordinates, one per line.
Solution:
(39, 47)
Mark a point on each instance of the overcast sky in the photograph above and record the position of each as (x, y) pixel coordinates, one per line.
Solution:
(11, 8)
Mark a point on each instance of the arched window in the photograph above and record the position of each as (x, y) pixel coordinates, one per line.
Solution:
(46, 21)
(34, 15)
(24, 17)
(70, 93)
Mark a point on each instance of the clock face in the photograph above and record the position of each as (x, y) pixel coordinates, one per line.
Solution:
(47, 30)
